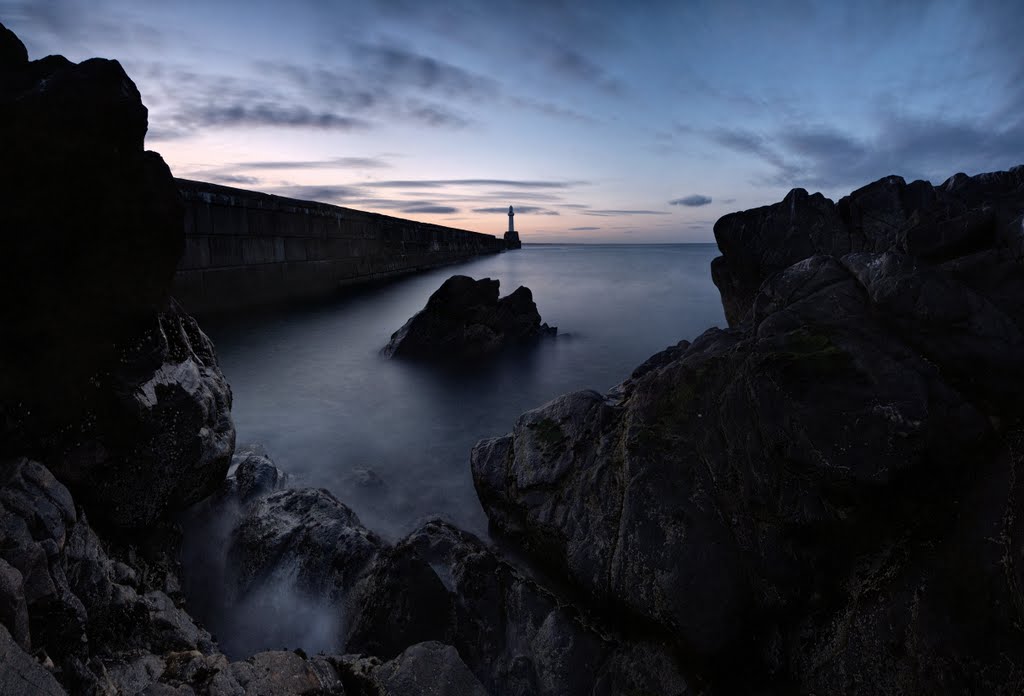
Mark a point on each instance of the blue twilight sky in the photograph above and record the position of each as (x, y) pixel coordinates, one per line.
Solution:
(599, 121)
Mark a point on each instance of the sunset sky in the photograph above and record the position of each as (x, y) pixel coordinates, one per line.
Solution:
(599, 122)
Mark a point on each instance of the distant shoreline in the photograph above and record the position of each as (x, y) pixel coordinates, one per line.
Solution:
(526, 244)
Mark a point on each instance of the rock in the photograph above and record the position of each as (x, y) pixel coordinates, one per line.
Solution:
(428, 668)
(255, 475)
(306, 534)
(465, 320)
(806, 493)
(160, 436)
(444, 585)
(118, 392)
(13, 54)
(13, 606)
(954, 219)
(21, 675)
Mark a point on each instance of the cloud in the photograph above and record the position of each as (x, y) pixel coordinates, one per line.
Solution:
(318, 193)
(439, 183)
(438, 116)
(694, 201)
(439, 209)
(914, 147)
(220, 178)
(612, 213)
(266, 114)
(525, 209)
(334, 163)
(572, 64)
(583, 229)
(394, 65)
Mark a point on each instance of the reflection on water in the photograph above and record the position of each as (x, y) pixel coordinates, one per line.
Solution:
(392, 439)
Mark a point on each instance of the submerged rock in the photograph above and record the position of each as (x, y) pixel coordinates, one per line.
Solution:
(465, 320)
(808, 493)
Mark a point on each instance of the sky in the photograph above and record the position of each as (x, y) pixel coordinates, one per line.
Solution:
(599, 121)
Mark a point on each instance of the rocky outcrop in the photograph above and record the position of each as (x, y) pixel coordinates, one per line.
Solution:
(424, 668)
(518, 637)
(116, 390)
(826, 492)
(465, 320)
(963, 215)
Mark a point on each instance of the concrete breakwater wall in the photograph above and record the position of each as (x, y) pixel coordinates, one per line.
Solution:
(244, 248)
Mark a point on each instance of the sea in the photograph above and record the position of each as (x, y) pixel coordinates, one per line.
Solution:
(392, 439)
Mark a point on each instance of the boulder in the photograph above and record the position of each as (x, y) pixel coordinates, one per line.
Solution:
(517, 637)
(428, 668)
(21, 674)
(116, 390)
(465, 320)
(962, 215)
(806, 493)
(304, 534)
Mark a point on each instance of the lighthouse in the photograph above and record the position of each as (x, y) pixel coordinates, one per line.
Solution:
(512, 237)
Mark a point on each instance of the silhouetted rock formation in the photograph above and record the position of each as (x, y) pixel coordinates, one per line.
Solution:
(464, 319)
(963, 215)
(827, 493)
(118, 393)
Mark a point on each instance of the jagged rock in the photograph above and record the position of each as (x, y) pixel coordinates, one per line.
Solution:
(429, 668)
(807, 493)
(20, 675)
(464, 319)
(86, 609)
(120, 395)
(961, 215)
(302, 533)
(442, 584)
(159, 436)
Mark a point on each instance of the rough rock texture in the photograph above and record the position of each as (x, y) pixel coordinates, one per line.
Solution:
(119, 393)
(306, 534)
(963, 215)
(429, 669)
(464, 319)
(826, 493)
(20, 674)
(516, 636)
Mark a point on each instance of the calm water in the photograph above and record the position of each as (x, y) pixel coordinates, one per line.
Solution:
(311, 386)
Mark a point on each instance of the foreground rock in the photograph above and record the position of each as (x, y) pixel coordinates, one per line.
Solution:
(465, 320)
(826, 493)
(117, 390)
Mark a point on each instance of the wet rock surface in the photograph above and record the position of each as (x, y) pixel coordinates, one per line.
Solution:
(810, 491)
(465, 320)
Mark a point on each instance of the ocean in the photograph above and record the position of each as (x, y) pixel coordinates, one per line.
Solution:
(392, 439)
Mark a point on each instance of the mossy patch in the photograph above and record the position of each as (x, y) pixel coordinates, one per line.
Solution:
(810, 350)
(548, 433)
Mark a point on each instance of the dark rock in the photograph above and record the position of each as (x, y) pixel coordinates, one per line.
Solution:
(20, 675)
(255, 475)
(424, 668)
(930, 222)
(119, 393)
(13, 54)
(13, 606)
(807, 493)
(87, 609)
(159, 437)
(464, 319)
(306, 534)
(517, 637)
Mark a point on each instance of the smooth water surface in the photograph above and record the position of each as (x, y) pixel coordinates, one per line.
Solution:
(392, 439)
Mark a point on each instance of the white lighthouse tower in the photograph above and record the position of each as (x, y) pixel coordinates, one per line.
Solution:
(512, 237)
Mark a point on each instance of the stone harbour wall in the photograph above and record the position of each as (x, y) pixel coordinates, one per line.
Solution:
(245, 249)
